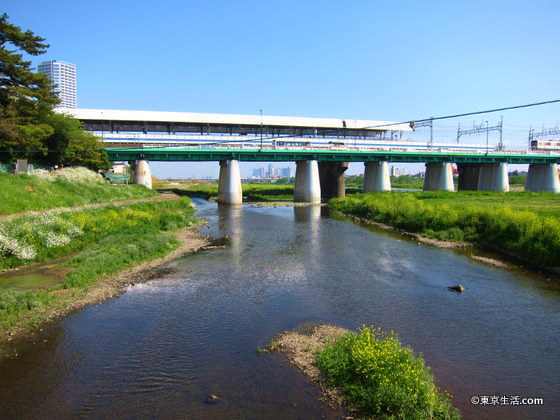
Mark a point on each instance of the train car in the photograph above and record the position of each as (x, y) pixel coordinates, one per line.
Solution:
(545, 145)
(284, 143)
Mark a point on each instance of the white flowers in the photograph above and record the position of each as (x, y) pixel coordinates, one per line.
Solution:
(11, 246)
(77, 174)
(22, 237)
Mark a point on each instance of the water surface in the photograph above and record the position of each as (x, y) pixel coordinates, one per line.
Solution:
(161, 348)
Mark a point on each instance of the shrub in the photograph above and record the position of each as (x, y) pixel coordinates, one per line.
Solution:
(379, 377)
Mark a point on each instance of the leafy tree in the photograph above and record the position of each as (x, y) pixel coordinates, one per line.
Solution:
(17, 82)
(28, 126)
(69, 145)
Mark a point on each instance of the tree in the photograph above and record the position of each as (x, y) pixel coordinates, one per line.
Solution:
(17, 82)
(71, 146)
(29, 128)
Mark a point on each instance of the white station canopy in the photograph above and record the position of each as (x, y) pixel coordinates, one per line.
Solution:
(191, 117)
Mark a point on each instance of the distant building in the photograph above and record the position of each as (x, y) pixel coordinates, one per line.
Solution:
(282, 172)
(398, 172)
(119, 169)
(64, 76)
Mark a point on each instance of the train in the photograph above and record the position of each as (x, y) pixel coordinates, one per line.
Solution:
(545, 145)
(286, 143)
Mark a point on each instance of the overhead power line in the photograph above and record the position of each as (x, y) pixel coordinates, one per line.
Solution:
(466, 114)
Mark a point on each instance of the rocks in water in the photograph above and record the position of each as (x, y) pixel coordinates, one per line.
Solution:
(213, 399)
(223, 241)
(457, 288)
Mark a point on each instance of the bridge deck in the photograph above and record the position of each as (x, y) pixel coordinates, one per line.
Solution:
(272, 155)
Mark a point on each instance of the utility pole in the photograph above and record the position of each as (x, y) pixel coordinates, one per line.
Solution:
(260, 110)
(543, 133)
(483, 128)
(487, 137)
(426, 123)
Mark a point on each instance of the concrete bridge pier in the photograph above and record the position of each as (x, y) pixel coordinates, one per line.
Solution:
(308, 186)
(439, 177)
(331, 179)
(376, 177)
(493, 177)
(229, 184)
(543, 177)
(142, 173)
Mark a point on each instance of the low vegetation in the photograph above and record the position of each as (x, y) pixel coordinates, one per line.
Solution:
(251, 192)
(101, 241)
(528, 225)
(64, 188)
(381, 378)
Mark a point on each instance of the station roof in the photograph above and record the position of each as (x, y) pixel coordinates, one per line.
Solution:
(234, 119)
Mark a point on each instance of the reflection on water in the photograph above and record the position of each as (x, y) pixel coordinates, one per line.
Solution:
(161, 348)
(229, 223)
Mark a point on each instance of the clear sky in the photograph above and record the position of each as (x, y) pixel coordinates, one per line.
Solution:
(376, 60)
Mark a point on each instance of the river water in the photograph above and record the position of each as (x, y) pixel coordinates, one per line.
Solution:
(161, 348)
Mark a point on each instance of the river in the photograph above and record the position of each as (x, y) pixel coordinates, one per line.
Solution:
(162, 347)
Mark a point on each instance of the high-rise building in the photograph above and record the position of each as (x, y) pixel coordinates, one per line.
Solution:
(64, 76)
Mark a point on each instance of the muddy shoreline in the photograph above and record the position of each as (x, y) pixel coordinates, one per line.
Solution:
(191, 239)
(301, 345)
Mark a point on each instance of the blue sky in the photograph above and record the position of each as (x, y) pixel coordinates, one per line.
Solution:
(376, 60)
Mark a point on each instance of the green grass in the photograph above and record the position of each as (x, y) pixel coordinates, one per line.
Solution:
(112, 238)
(379, 377)
(524, 224)
(268, 192)
(251, 192)
(28, 192)
(544, 204)
(407, 182)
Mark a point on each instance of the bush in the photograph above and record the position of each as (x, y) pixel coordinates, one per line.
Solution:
(379, 377)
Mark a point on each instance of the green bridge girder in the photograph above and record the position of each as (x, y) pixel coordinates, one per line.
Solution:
(269, 155)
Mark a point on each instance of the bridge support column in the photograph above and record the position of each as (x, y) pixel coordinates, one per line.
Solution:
(308, 187)
(493, 177)
(543, 177)
(376, 177)
(229, 184)
(439, 177)
(331, 177)
(468, 176)
(142, 173)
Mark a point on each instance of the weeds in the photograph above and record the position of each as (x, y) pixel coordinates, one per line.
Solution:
(379, 377)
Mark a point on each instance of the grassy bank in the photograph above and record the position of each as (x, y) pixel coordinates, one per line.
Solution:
(381, 378)
(78, 187)
(528, 226)
(100, 241)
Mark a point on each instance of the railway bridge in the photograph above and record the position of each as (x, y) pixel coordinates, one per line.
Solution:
(321, 148)
(320, 173)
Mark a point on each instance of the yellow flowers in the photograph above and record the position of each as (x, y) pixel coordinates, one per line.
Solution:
(378, 375)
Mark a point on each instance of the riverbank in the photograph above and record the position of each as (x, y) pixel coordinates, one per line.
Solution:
(369, 373)
(529, 236)
(98, 244)
(68, 187)
(429, 241)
